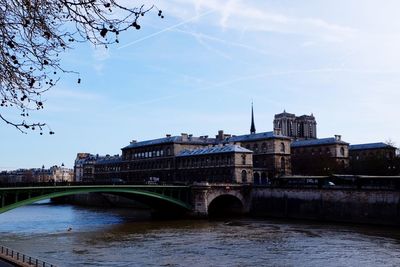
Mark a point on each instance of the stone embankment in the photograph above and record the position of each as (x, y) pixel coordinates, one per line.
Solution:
(339, 205)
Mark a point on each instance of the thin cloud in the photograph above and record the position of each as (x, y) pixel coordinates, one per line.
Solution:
(240, 15)
(222, 41)
(167, 29)
(261, 75)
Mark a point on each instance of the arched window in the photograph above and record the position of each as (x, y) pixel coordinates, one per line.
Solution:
(255, 148)
(264, 147)
(282, 147)
(263, 178)
(244, 159)
(256, 178)
(283, 165)
(244, 176)
(341, 151)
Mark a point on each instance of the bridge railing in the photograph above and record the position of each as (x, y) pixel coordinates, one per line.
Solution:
(90, 183)
(21, 259)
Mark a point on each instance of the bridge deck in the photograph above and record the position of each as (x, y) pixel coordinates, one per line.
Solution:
(13, 197)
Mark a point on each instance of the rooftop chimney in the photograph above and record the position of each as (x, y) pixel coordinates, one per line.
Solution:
(184, 137)
(133, 141)
(220, 135)
(338, 137)
(168, 135)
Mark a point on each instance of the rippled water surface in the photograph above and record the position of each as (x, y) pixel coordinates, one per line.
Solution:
(106, 237)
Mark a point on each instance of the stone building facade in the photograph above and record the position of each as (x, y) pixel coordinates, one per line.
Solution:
(320, 156)
(142, 161)
(271, 154)
(374, 159)
(292, 148)
(218, 164)
(84, 169)
(107, 169)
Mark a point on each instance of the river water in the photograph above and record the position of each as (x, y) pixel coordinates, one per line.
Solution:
(109, 237)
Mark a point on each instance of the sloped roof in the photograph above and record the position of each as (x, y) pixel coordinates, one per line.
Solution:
(171, 139)
(317, 142)
(253, 137)
(370, 146)
(214, 150)
(108, 160)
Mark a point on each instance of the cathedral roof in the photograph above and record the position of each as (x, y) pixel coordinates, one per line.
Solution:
(284, 114)
(318, 142)
(253, 137)
(369, 146)
(214, 150)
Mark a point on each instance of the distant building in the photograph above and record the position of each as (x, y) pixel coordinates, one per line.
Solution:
(61, 174)
(296, 127)
(79, 165)
(292, 148)
(84, 171)
(37, 175)
(107, 168)
(374, 159)
(320, 156)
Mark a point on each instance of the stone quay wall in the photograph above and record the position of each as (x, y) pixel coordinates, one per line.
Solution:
(339, 205)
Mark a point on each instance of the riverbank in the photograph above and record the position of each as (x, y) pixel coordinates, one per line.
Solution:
(379, 207)
(115, 237)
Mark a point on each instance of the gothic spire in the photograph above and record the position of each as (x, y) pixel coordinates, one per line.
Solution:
(252, 127)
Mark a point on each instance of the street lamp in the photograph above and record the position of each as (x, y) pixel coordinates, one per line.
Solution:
(42, 173)
(62, 172)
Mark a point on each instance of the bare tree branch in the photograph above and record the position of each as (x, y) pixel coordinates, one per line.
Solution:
(33, 34)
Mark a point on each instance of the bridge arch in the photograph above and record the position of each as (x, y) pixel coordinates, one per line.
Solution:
(225, 205)
(147, 197)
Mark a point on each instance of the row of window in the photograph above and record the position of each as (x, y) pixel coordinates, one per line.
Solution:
(148, 154)
(375, 154)
(320, 151)
(146, 165)
(264, 147)
(205, 161)
(106, 168)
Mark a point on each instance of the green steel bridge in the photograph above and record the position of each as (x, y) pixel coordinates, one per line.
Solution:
(162, 197)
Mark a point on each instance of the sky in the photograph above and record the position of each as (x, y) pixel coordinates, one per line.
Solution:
(199, 69)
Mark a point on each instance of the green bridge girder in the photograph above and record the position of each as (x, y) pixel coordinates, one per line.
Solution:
(14, 197)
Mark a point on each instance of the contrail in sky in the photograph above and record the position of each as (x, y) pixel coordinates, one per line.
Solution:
(261, 75)
(167, 29)
(223, 41)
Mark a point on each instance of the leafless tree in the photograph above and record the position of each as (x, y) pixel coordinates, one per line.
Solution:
(33, 34)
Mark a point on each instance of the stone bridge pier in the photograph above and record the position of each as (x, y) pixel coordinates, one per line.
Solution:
(212, 200)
